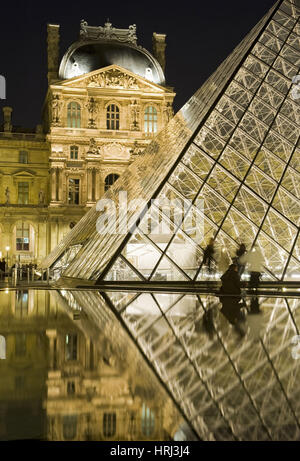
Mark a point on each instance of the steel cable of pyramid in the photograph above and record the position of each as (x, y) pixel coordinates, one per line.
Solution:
(290, 254)
(230, 64)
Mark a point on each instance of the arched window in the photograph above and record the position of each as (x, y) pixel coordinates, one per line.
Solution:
(112, 117)
(2, 348)
(148, 421)
(150, 119)
(109, 180)
(74, 152)
(109, 424)
(22, 236)
(74, 115)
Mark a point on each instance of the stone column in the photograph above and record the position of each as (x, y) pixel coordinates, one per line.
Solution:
(53, 51)
(7, 118)
(159, 47)
(97, 184)
(60, 184)
(53, 184)
(89, 183)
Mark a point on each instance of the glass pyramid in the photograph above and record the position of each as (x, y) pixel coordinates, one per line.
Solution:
(230, 159)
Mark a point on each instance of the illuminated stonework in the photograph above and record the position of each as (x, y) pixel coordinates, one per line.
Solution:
(235, 145)
(95, 123)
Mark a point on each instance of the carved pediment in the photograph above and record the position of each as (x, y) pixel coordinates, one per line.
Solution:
(24, 174)
(114, 151)
(113, 77)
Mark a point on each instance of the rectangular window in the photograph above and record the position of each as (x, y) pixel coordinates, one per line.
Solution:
(74, 152)
(74, 189)
(71, 347)
(23, 156)
(22, 237)
(23, 193)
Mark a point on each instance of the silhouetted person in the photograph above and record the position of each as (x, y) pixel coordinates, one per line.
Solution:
(208, 323)
(208, 256)
(231, 306)
(254, 306)
(240, 258)
(2, 268)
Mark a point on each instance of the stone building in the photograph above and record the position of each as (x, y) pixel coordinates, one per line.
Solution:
(106, 99)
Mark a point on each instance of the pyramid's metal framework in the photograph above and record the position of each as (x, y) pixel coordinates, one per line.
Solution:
(235, 145)
(225, 388)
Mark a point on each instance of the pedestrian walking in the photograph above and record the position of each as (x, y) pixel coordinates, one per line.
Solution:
(241, 253)
(208, 256)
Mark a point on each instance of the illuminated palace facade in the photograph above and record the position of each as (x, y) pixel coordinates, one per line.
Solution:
(106, 100)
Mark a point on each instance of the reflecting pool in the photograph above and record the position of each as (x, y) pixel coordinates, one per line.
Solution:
(85, 365)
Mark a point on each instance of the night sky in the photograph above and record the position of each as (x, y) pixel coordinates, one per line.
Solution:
(200, 34)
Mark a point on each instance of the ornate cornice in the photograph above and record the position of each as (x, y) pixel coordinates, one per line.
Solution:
(108, 33)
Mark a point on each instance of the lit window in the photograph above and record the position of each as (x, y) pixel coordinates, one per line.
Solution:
(23, 156)
(148, 421)
(21, 303)
(112, 117)
(22, 237)
(109, 180)
(150, 119)
(74, 152)
(69, 427)
(23, 193)
(74, 189)
(71, 347)
(109, 424)
(2, 348)
(74, 115)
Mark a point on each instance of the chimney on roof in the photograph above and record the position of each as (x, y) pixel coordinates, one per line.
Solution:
(7, 118)
(159, 47)
(53, 52)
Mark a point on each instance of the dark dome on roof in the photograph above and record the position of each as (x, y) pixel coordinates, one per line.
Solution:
(84, 57)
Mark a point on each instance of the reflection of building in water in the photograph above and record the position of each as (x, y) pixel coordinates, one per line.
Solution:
(63, 379)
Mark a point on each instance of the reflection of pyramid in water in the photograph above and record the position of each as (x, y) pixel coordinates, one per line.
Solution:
(235, 145)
